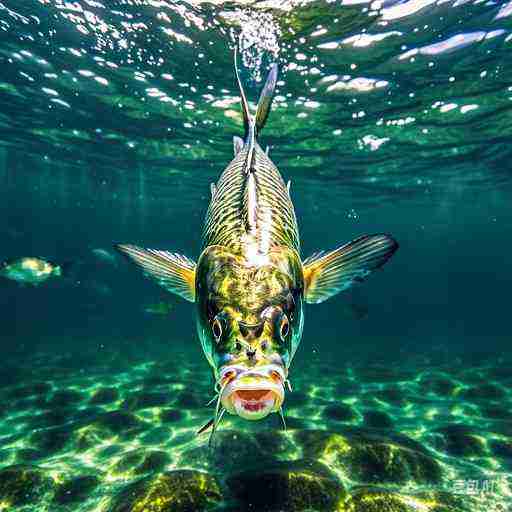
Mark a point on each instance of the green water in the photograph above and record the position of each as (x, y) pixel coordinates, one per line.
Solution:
(390, 116)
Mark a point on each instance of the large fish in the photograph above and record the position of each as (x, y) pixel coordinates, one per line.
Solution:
(249, 283)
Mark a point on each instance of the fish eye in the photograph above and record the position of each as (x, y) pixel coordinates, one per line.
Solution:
(217, 329)
(284, 328)
(238, 346)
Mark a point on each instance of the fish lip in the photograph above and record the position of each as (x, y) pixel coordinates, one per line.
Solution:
(234, 403)
(239, 377)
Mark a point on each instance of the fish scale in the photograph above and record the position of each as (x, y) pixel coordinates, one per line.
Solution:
(228, 213)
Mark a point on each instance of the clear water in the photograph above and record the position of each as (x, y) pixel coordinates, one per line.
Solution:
(391, 116)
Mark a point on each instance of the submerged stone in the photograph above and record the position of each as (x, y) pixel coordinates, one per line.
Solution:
(120, 422)
(484, 391)
(340, 412)
(50, 440)
(65, 398)
(23, 485)
(104, 396)
(377, 419)
(292, 486)
(372, 458)
(170, 415)
(462, 441)
(145, 399)
(141, 461)
(173, 491)
(190, 400)
(76, 489)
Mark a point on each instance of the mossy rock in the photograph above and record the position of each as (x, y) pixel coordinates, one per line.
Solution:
(145, 400)
(297, 486)
(171, 415)
(65, 398)
(75, 490)
(383, 462)
(35, 388)
(104, 396)
(141, 461)
(462, 441)
(190, 400)
(377, 419)
(120, 422)
(372, 458)
(173, 491)
(374, 499)
(296, 399)
(52, 440)
(484, 392)
(339, 412)
(438, 384)
(23, 484)
(90, 436)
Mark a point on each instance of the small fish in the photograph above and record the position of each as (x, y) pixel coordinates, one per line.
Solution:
(160, 308)
(29, 270)
(105, 256)
(250, 284)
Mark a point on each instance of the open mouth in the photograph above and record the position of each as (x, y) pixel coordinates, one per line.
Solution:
(253, 400)
(253, 396)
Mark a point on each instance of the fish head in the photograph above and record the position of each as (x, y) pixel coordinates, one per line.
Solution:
(250, 324)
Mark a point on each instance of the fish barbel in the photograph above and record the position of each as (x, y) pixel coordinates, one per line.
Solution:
(249, 283)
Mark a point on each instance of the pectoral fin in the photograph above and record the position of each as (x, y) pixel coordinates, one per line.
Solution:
(326, 274)
(176, 273)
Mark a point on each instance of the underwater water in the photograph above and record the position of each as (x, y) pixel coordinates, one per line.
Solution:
(390, 116)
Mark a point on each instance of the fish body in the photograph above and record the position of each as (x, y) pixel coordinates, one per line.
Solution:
(29, 270)
(250, 284)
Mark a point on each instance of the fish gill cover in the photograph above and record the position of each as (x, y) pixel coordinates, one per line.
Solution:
(389, 116)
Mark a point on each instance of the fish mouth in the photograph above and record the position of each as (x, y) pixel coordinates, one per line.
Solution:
(253, 395)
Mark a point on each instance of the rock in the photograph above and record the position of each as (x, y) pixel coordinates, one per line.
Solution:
(141, 461)
(392, 395)
(23, 485)
(76, 489)
(90, 437)
(145, 399)
(173, 491)
(374, 499)
(377, 419)
(502, 449)
(190, 400)
(65, 398)
(52, 440)
(372, 458)
(170, 415)
(340, 412)
(292, 486)
(484, 392)
(462, 441)
(35, 388)
(496, 412)
(438, 384)
(296, 399)
(104, 396)
(120, 422)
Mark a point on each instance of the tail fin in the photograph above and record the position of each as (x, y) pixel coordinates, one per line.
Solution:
(254, 125)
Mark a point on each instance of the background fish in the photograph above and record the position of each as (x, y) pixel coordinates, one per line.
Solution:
(29, 270)
(249, 283)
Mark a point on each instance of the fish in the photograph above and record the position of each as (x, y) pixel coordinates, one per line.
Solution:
(160, 308)
(30, 270)
(250, 284)
(104, 256)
